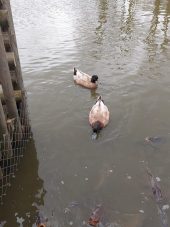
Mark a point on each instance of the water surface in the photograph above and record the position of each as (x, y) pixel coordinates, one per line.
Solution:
(127, 44)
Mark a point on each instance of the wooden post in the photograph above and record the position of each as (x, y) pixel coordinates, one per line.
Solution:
(11, 59)
(17, 96)
(12, 38)
(3, 16)
(5, 79)
(13, 42)
(4, 135)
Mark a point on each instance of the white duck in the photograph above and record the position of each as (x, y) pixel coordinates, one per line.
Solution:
(84, 79)
(98, 117)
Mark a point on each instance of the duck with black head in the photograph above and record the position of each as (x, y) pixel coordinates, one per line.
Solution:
(98, 117)
(84, 79)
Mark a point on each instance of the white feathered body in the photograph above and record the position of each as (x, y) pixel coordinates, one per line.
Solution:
(84, 80)
(99, 112)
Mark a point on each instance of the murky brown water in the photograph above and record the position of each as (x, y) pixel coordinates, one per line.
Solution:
(126, 43)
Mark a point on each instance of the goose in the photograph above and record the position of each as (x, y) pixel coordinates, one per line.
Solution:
(84, 79)
(98, 117)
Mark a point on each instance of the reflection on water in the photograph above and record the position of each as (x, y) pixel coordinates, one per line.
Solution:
(103, 7)
(166, 40)
(26, 196)
(152, 31)
(126, 43)
(128, 13)
(158, 29)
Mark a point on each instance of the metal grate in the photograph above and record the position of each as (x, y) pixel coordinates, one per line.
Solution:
(12, 151)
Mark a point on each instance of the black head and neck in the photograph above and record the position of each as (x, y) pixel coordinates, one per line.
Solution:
(75, 71)
(96, 127)
(94, 78)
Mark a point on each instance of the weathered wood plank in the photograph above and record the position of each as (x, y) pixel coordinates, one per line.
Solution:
(3, 15)
(7, 87)
(13, 76)
(11, 58)
(5, 37)
(17, 95)
(13, 42)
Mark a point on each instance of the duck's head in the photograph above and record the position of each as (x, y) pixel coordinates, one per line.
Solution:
(94, 78)
(96, 127)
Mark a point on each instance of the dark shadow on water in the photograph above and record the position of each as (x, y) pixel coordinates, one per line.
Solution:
(26, 193)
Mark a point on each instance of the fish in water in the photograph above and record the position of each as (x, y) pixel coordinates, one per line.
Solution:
(40, 222)
(156, 190)
(96, 216)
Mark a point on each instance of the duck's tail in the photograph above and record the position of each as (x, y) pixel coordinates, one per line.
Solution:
(99, 99)
(75, 71)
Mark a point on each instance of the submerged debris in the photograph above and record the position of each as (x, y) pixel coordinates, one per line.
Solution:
(156, 190)
(141, 211)
(41, 221)
(73, 204)
(165, 207)
(154, 139)
(158, 196)
(96, 216)
(163, 216)
(2, 223)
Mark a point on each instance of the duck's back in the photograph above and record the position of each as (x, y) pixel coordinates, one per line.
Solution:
(99, 112)
(81, 76)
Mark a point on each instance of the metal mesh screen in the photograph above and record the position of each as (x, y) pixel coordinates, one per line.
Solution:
(12, 150)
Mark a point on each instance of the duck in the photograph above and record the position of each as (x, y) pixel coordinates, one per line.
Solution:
(98, 117)
(84, 79)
